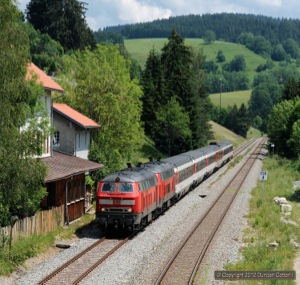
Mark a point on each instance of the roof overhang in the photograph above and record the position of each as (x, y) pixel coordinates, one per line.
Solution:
(62, 166)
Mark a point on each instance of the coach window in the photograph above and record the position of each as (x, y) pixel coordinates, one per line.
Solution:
(200, 165)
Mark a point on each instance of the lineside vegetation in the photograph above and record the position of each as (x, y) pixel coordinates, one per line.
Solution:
(266, 223)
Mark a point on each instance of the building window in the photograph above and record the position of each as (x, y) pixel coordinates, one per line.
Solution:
(56, 138)
(75, 191)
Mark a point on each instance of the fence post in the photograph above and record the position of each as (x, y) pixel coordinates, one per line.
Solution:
(13, 220)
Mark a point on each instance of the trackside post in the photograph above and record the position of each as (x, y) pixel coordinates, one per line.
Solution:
(263, 175)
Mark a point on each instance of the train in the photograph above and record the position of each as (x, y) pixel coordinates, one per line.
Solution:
(132, 197)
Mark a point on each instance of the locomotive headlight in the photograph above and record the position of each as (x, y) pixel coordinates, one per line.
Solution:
(129, 210)
(102, 209)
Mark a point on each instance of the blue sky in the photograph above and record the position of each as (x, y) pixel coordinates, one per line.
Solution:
(103, 13)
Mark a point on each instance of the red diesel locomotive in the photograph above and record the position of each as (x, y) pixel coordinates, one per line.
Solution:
(132, 197)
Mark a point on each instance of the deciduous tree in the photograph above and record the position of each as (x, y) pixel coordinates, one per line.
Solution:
(291, 89)
(21, 175)
(99, 85)
(291, 47)
(172, 125)
(280, 126)
(220, 56)
(209, 37)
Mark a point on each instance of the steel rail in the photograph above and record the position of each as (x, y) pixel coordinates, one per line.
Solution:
(180, 248)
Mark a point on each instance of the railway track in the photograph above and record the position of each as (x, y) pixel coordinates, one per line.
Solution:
(76, 269)
(243, 147)
(80, 266)
(187, 258)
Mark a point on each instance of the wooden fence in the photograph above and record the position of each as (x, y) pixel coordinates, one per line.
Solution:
(41, 223)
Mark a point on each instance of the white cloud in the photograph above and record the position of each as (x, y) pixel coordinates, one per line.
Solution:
(268, 3)
(185, 7)
(114, 12)
(139, 11)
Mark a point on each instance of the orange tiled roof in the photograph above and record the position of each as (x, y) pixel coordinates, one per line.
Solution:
(74, 116)
(46, 81)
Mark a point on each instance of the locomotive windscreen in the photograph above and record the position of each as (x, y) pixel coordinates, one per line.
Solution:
(125, 187)
(109, 187)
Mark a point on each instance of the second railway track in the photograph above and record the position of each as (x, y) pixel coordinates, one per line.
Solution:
(186, 260)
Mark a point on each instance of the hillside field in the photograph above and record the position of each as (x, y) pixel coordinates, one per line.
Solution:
(231, 98)
(223, 134)
(140, 48)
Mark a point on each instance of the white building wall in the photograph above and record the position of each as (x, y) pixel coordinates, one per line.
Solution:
(47, 144)
(73, 140)
(66, 133)
(82, 144)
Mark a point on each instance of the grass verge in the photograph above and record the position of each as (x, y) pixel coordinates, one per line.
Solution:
(266, 224)
(27, 247)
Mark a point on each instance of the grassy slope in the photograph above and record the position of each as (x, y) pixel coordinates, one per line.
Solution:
(223, 134)
(231, 98)
(220, 134)
(139, 49)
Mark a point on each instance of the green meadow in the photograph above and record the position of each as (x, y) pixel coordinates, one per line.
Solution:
(140, 48)
(231, 98)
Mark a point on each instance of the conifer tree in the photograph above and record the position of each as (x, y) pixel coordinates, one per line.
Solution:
(184, 79)
(243, 121)
(63, 20)
(176, 60)
(153, 88)
(176, 75)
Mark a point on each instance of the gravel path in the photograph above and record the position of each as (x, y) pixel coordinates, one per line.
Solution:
(141, 259)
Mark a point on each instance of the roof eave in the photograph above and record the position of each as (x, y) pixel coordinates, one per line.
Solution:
(71, 175)
(74, 121)
(52, 89)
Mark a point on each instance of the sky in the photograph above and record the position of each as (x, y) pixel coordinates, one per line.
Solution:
(104, 13)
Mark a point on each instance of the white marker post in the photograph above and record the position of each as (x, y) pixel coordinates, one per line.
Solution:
(263, 175)
(273, 147)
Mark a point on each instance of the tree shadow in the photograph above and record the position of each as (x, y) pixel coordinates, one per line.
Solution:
(151, 151)
(90, 230)
(294, 197)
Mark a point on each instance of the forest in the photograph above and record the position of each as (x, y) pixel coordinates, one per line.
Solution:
(226, 26)
(167, 101)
